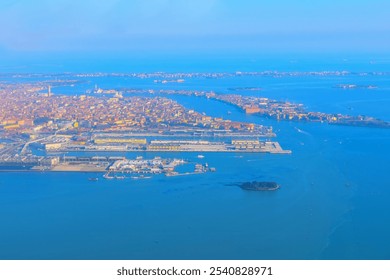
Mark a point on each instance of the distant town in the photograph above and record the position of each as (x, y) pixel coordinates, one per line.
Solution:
(181, 76)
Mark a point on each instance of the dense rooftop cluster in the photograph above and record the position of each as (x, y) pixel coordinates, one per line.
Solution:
(25, 107)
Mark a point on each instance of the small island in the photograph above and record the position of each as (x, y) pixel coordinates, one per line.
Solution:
(259, 186)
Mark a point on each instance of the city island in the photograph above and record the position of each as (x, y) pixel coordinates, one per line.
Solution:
(40, 129)
(32, 119)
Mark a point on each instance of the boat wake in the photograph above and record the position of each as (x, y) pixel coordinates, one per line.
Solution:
(301, 131)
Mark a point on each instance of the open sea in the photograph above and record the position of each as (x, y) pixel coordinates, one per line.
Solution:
(335, 187)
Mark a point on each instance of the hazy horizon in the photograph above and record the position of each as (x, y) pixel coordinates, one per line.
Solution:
(93, 28)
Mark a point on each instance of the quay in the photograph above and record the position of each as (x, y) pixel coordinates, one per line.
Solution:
(117, 166)
(241, 146)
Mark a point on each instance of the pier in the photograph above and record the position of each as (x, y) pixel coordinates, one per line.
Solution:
(242, 146)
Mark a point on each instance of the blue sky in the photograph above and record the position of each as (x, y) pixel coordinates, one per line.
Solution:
(194, 26)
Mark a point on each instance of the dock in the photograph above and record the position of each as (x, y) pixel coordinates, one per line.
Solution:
(241, 146)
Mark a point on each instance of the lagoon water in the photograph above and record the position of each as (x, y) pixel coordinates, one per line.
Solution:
(333, 202)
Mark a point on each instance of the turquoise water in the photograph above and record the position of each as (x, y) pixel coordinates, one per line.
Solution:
(333, 203)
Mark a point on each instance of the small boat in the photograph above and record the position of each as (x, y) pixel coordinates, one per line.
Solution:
(93, 179)
(107, 176)
(200, 156)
